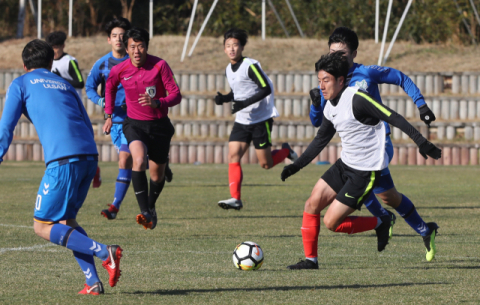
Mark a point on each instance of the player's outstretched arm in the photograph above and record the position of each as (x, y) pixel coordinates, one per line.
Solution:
(316, 109)
(324, 134)
(10, 116)
(393, 76)
(111, 87)
(257, 75)
(368, 111)
(220, 99)
(74, 72)
(94, 79)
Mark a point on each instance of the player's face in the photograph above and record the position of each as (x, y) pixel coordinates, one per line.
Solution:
(58, 51)
(335, 47)
(137, 52)
(330, 86)
(116, 40)
(233, 49)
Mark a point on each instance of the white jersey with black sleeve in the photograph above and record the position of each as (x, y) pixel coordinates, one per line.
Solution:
(363, 146)
(243, 87)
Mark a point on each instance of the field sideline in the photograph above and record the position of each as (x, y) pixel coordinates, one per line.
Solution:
(187, 258)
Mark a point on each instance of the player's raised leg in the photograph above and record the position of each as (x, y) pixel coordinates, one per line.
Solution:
(236, 150)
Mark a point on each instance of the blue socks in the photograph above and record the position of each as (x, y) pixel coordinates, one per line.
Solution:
(74, 240)
(374, 207)
(87, 263)
(407, 210)
(121, 186)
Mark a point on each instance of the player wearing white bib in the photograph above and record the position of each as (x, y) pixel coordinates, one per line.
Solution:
(253, 103)
(358, 119)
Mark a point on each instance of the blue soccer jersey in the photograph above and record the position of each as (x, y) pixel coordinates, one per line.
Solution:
(368, 78)
(56, 111)
(98, 76)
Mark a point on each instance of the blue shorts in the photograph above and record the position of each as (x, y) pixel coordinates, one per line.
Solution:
(118, 138)
(385, 182)
(63, 190)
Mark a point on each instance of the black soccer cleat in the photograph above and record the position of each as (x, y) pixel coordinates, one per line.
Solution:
(429, 241)
(153, 213)
(292, 155)
(304, 264)
(109, 215)
(384, 231)
(145, 219)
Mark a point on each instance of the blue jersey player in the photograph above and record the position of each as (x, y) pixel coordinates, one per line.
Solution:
(97, 77)
(71, 158)
(368, 78)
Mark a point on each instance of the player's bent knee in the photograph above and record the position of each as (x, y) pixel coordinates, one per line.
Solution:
(331, 224)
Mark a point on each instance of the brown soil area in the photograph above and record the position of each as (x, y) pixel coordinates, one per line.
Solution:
(275, 54)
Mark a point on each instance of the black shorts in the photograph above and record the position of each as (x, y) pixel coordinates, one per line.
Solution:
(260, 133)
(352, 186)
(156, 135)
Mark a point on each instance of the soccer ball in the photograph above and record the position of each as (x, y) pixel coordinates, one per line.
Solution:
(248, 256)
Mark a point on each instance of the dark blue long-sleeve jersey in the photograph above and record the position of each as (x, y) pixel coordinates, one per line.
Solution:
(56, 111)
(98, 76)
(368, 78)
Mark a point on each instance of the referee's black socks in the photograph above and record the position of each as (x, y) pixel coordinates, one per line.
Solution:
(140, 186)
(155, 190)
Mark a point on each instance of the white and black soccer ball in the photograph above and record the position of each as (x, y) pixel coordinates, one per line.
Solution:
(248, 256)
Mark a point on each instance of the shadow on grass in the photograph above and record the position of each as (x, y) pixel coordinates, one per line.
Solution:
(281, 288)
(232, 217)
(221, 185)
(447, 208)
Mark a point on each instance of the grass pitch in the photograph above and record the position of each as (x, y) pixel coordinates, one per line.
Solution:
(188, 257)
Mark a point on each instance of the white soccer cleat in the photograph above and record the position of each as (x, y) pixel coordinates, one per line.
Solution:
(231, 203)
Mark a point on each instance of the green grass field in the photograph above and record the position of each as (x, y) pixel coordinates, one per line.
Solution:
(188, 257)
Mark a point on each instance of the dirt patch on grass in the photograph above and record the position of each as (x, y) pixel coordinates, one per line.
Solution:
(275, 54)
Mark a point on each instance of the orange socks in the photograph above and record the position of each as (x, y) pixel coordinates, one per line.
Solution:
(279, 155)
(310, 231)
(235, 177)
(357, 224)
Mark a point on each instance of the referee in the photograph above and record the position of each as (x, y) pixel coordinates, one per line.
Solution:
(147, 80)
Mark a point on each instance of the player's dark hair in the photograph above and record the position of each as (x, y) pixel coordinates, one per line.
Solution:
(240, 35)
(37, 54)
(117, 23)
(335, 64)
(344, 35)
(137, 34)
(56, 38)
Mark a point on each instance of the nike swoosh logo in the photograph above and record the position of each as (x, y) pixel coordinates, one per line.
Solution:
(127, 78)
(348, 196)
(257, 253)
(91, 288)
(261, 145)
(136, 193)
(334, 115)
(231, 183)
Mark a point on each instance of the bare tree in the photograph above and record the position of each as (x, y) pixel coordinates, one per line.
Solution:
(127, 9)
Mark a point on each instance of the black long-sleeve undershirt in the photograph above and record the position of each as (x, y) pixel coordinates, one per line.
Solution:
(367, 111)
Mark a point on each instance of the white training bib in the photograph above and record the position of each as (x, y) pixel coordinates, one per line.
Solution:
(243, 87)
(363, 146)
(61, 65)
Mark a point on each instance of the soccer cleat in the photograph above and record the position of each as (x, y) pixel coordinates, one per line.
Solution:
(304, 264)
(231, 203)
(110, 213)
(97, 180)
(153, 212)
(145, 219)
(95, 289)
(168, 173)
(385, 231)
(429, 241)
(292, 155)
(112, 264)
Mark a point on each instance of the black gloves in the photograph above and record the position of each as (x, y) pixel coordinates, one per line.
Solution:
(220, 99)
(426, 114)
(289, 170)
(428, 149)
(315, 97)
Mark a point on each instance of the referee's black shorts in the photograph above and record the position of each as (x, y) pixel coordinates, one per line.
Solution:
(260, 133)
(352, 186)
(155, 134)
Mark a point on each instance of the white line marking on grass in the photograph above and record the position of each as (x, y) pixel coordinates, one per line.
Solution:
(32, 248)
(15, 226)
